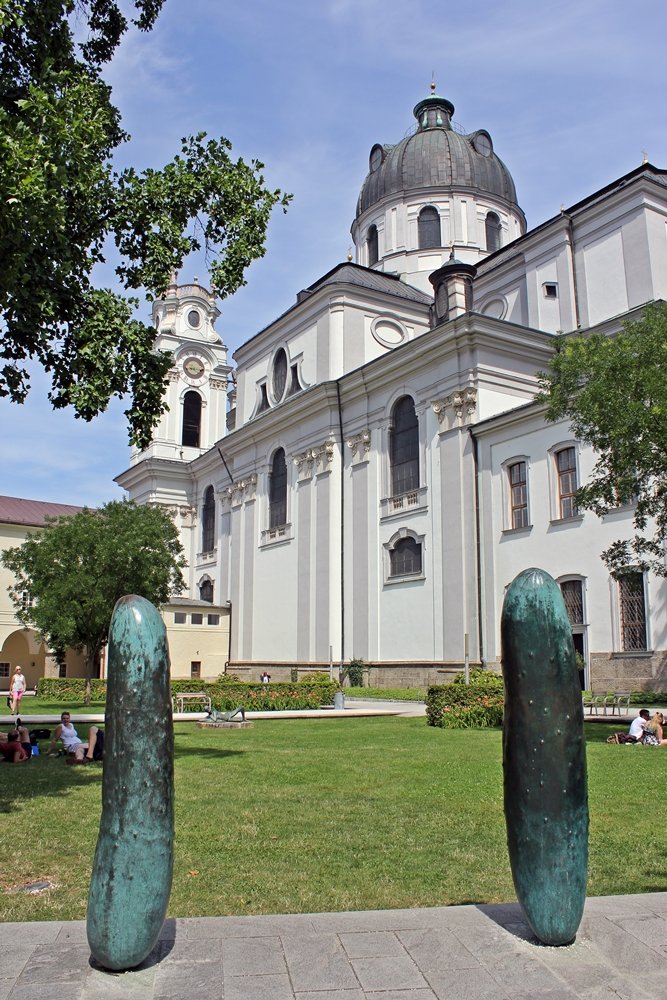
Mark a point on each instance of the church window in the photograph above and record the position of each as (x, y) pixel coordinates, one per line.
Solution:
(278, 490)
(4, 669)
(518, 495)
(294, 386)
(180, 618)
(404, 447)
(263, 398)
(191, 420)
(197, 618)
(194, 319)
(279, 374)
(208, 521)
(195, 668)
(492, 227)
(429, 228)
(372, 245)
(632, 611)
(566, 465)
(550, 290)
(206, 591)
(405, 559)
(213, 619)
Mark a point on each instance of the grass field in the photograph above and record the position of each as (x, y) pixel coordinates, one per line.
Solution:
(319, 815)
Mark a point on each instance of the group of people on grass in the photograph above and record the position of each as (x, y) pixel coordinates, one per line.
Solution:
(645, 729)
(16, 747)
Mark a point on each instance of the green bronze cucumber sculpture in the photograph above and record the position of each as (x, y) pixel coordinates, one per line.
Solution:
(132, 870)
(544, 758)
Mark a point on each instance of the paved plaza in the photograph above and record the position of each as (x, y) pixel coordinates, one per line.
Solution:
(475, 952)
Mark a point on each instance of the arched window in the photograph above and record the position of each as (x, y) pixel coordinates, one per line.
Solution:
(191, 419)
(206, 591)
(372, 245)
(405, 558)
(429, 228)
(492, 226)
(404, 447)
(208, 521)
(278, 490)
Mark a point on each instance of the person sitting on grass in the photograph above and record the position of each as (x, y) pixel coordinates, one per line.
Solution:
(637, 726)
(77, 751)
(653, 736)
(13, 745)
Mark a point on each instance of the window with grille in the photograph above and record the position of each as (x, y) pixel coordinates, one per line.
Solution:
(62, 670)
(518, 495)
(632, 609)
(195, 668)
(278, 490)
(405, 558)
(567, 482)
(4, 669)
(206, 591)
(372, 245)
(26, 600)
(429, 228)
(404, 447)
(573, 596)
(492, 228)
(191, 420)
(208, 521)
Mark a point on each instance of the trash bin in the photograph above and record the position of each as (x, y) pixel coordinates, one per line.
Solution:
(339, 700)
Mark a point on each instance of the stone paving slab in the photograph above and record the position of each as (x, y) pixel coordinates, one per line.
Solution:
(483, 952)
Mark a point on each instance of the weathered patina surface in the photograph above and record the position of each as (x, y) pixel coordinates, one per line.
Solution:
(544, 758)
(132, 870)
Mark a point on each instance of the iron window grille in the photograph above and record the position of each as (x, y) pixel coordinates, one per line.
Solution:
(632, 607)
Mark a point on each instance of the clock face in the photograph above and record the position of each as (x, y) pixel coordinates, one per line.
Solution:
(193, 368)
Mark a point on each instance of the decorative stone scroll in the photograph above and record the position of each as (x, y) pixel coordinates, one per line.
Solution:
(360, 446)
(218, 383)
(456, 409)
(315, 460)
(240, 491)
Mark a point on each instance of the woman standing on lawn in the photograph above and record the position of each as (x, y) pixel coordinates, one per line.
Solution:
(17, 689)
(653, 735)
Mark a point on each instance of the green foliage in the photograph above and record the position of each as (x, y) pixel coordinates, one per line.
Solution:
(459, 705)
(62, 202)
(273, 697)
(77, 567)
(318, 677)
(67, 690)
(355, 673)
(613, 390)
(389, 694)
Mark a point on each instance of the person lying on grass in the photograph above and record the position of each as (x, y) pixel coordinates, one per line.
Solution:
(77, 751)
(15, 745)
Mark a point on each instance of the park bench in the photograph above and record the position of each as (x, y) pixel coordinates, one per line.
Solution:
(193, 699)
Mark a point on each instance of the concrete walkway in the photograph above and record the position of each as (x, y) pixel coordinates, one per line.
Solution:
(482, 952)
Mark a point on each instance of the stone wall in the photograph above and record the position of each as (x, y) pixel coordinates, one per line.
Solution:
(376, 674)
(623, 672)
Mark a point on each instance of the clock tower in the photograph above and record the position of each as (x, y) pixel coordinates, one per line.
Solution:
(197, 393)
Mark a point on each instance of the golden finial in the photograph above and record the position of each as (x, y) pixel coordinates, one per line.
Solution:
(433, 82)
(644, 156)
(349, 254)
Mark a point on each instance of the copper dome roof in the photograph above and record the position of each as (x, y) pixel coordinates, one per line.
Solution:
(437, 156)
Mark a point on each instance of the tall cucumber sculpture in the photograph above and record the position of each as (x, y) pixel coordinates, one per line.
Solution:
(132, 870)
(544, 758)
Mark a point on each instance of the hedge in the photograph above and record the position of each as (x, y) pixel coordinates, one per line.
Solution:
(458, 705)
(225, 693)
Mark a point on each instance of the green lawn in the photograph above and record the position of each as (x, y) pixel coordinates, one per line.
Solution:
(320, 815)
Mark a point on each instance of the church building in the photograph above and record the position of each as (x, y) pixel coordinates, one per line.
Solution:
(373, 471)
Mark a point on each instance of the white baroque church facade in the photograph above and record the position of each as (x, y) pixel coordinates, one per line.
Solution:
(382, 471)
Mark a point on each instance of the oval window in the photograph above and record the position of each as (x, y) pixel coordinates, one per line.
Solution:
(194, 319)
(279, 375)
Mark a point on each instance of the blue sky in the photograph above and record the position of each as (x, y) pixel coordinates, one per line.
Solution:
(573, 94)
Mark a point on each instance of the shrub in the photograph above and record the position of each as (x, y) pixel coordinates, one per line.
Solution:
(355, 673)
(67, 689)
(459, 705)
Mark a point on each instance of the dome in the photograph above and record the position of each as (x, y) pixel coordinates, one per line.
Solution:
(435, 155)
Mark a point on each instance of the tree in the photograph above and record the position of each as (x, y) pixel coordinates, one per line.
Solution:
(613, 390)
(77, 567)
(62, 201)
